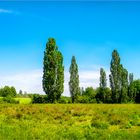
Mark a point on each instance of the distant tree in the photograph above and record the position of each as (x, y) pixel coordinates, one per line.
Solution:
(87, 96)
(53, 71)
(81, 90)
(131, 94)
(13, 92)
(103, 93)
(74, 80)
(131, 78)
(135, 91)
(20, 92)
(8, 91)
(115, 76)
(118, 80)
(103, 85)
(89, 91)
(103, 79)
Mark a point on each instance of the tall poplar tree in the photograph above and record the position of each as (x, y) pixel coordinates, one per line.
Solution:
(103, 80)
(103, 92)
(74, 80)
(115, 76)
(53, 71)
(118, 79)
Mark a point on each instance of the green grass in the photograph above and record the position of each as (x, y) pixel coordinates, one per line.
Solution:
(24, 100)
(70, 122)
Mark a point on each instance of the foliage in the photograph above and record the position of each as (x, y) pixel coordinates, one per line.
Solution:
(131, 78)
(88, 96)
(124, 85)
(64, 100)
(60, 76)
(8, 99)
(134, 91)
(85, 99)
(74, 80)
(131, 93)
(103, 95)
(103, 80)
(118, 80)
(53, 71)
(115, 76)
(8, 92)
(89, 91)
(36, 98)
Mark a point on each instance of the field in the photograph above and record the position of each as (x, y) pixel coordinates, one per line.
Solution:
(70, 121)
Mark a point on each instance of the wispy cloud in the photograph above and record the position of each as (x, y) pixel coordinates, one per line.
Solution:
(34, 16)
(6, 11)
(30, 81)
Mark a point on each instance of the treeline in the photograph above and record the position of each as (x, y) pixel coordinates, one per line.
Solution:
(123, 88)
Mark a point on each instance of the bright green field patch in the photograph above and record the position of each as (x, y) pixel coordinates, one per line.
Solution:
(24, 100)
(69, 122)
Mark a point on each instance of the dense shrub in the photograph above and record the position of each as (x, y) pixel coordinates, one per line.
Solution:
(9, 100)
(88, 96)
(103, 95)
(36, 98)
(64, 100)
(82, 99)
(90, 92)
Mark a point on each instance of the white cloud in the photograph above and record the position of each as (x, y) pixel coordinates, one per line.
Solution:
(31, 81)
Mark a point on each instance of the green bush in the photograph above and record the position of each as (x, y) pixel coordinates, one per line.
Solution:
(64, 100)
(36, 98)
(85, 99)
(8, 100)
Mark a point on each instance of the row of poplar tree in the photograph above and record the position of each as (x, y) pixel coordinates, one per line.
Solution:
(122, 89)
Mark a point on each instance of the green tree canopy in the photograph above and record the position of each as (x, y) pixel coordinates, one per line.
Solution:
(53, 71)
(103, 79)
(8, 92)
(74, 80)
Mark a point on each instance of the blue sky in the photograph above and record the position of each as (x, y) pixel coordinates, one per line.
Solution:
(88, 30)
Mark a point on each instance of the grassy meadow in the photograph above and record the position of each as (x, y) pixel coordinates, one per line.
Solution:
(70, 121)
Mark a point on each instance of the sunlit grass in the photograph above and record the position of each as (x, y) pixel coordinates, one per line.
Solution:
(70, 121)
(24, 100)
